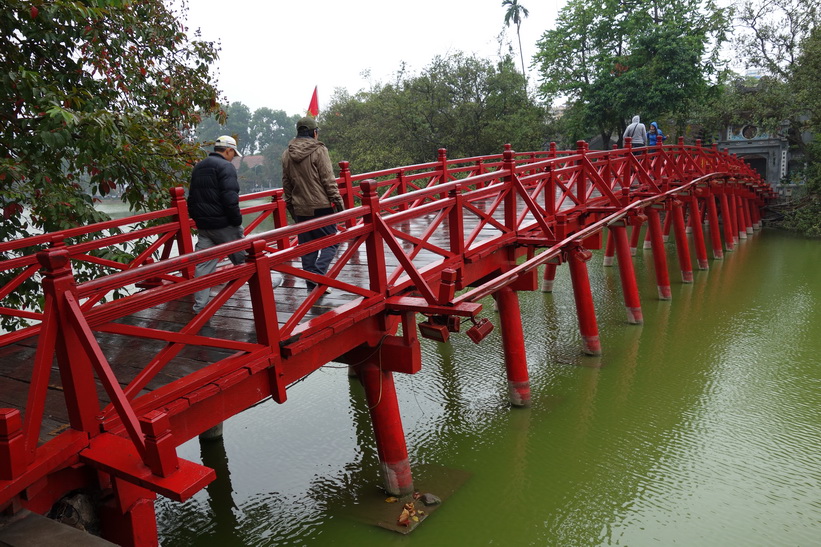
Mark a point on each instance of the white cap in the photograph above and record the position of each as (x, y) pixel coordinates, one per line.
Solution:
(227, 142)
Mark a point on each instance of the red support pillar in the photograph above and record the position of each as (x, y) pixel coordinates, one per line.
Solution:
(741, 225)
(659, 253)
(682, 246)
(748, 223)
(668, 221)
(576, 260)
(513, 345)
(715, 229)
(387, 427)
(127, 516)
(628, 276)
(756, 214)
(727, 221)
(635, 232)
(698, 233)
(733, 215)
(609, 249)
(549, 276)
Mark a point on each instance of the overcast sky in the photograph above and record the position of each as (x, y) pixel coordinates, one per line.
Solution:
(274, 52)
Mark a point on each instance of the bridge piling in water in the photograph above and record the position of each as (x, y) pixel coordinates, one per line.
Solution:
(698, 232)
(577, 258)
(383, 405)
(513, 346)
(682, 246)
(654, 230)
(627, 274)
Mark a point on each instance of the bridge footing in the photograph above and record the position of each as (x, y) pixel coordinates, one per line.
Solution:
(380, 393)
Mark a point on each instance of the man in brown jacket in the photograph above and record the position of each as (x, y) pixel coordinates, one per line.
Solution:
(310, 191)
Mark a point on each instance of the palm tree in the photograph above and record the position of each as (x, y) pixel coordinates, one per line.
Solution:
(516, 12)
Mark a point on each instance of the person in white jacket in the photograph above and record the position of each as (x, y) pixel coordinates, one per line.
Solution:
(637, 132)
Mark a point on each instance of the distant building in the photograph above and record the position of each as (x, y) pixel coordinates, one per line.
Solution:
(767, 153)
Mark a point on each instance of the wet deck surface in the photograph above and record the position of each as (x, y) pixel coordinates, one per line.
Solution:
(127, 355)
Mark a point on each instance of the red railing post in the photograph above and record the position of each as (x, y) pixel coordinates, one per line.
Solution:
(456, 220)
(185, 242)
(12, 444)
(374, 247)
(160, 449)
(75, 366)
(510, 207)
(581, 181)
(443, 165)
(550, 192)
(402, 188)
(280, 217)
(345, 185)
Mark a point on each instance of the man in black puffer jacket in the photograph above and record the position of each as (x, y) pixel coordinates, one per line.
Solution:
(213, 203)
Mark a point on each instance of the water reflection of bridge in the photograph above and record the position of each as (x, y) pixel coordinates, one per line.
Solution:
(99, 392)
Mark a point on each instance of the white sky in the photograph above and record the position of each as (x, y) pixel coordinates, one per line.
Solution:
(274, 52)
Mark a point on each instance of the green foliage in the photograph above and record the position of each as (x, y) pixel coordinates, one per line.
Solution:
(805, 218)
(101, 93)
(467, 105)
(613, 60)
(95, 97)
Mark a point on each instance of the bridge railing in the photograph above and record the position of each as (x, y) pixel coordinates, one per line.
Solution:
(395, 242)
(127, 243)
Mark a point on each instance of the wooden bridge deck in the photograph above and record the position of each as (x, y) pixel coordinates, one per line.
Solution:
(233, 321)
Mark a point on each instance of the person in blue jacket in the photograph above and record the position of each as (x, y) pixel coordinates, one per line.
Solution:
(654, 134)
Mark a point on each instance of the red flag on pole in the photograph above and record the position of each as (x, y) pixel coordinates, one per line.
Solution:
(313, 108)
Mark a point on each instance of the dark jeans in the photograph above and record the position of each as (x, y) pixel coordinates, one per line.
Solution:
(319, 261)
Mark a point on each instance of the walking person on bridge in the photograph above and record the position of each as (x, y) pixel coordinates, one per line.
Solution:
(213, 203)
(637, 132)
(310, 191)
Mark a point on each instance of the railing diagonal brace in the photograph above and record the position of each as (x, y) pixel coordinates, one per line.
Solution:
(413, 273)
(105, 374)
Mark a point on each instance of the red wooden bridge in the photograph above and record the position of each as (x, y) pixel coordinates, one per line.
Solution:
(97, 392)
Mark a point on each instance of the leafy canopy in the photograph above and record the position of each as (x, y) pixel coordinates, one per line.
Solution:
(614, 59)
(96, 95)
(468, 105)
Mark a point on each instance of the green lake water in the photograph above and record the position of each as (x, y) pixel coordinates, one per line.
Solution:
(700, 427)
